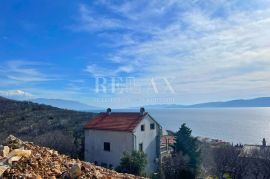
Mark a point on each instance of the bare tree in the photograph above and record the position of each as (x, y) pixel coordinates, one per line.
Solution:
(228, 160)
(59, 141)
(261, 163)
(254, 165)
(176, 166)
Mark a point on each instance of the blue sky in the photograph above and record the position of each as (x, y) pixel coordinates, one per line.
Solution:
(173, 51)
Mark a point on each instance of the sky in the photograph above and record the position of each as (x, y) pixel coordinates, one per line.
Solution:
(135, 53)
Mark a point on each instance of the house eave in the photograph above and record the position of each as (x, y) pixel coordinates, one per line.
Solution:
(126, 131)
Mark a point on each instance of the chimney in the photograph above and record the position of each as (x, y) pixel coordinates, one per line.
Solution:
(109, 111)
(264, 142)
(142, 110)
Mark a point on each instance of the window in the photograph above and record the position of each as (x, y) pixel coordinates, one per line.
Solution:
(142, 127)
(141, 147)
(152, 126)
(107, 146)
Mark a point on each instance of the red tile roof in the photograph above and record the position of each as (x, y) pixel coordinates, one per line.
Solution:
(116, 121)
(169, 139)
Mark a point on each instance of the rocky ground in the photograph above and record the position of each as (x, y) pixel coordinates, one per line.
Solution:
(25, 160)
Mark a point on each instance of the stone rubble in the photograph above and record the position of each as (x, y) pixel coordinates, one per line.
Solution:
(24, 160)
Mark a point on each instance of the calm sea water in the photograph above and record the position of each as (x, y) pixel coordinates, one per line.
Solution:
(237, 125)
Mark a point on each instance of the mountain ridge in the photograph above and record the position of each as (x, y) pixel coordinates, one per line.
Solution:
(65, 104)
(254, 102)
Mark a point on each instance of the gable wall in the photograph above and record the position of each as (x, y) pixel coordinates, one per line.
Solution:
(94, 146)
(150, 140)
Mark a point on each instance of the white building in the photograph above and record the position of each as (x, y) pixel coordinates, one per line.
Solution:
(110, 134)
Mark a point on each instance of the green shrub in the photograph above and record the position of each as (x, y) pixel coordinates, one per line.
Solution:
(133, 163)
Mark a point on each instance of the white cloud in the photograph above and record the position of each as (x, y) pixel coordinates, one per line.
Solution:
(15, 93)
(89, 21)
(217, 56)
(95, 70)
(21, 71)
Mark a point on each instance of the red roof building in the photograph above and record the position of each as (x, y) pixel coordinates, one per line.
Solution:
(109, 134)
(167, 139)
(117, 121)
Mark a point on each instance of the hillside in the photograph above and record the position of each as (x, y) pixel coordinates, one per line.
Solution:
(45, 125)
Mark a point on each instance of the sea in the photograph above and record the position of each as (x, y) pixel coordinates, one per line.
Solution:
(234, 125)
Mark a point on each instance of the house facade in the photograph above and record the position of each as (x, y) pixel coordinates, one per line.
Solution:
(110, 134)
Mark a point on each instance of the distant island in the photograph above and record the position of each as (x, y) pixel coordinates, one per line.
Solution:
(238, 103)
(256, 102)
(75, 105)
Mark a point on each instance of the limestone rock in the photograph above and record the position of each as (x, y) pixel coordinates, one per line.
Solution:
(19, 152)
(38, 177)
(4, 150)
(14, 159)
(75, 171)
(32, 161)
(13, 142)
(2, 170)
